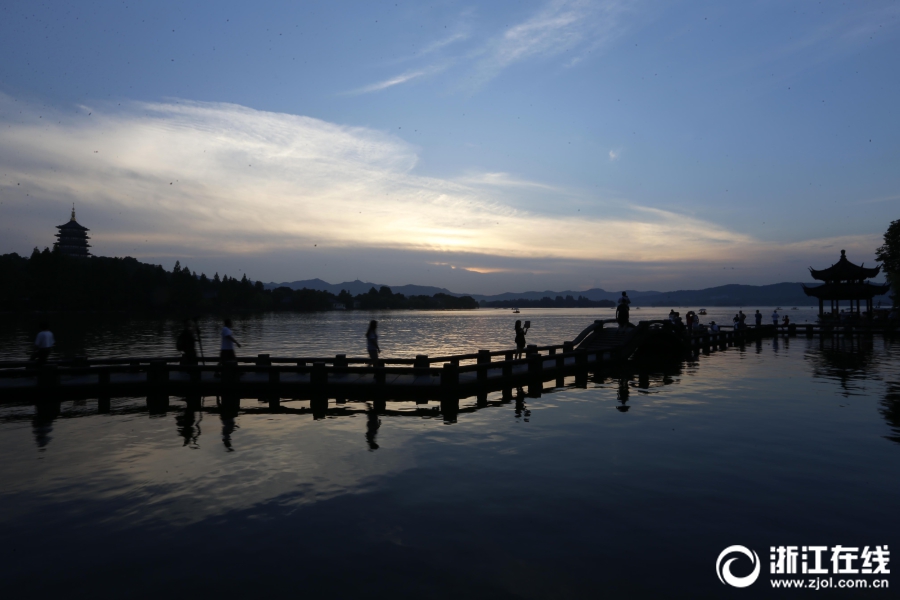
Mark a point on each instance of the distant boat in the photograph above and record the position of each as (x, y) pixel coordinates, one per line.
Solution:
(516, 310)
(794, 308)
(702, 311)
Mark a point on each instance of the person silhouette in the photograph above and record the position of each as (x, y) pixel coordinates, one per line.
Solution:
(622, 309)
(228, 342)
(185, 344)
(520, 339)
(43, 344)
(372, 341)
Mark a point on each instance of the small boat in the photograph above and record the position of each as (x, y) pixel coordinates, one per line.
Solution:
(516, 310)
(794, 308)
(702, 311)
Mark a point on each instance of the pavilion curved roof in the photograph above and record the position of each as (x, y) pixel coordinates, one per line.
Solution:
(844, 270)
(847, 291)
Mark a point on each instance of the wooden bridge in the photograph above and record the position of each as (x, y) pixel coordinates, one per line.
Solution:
(444, 378)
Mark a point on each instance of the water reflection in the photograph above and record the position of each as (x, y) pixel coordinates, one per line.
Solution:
(188, 425)
(650, 374)
(45, 414)
(849, 360)
(890, 410)
(228, 412)
(373, 423)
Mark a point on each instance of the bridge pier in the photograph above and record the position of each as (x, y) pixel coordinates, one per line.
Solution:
(507, 377)
(484, 359)
(535, 373)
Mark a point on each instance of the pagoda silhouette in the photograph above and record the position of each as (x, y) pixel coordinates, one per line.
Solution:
(72, 238)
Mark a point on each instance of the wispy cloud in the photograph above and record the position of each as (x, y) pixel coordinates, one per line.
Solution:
(573, 27)
(561, 26)
(391, 82)
(614, 154)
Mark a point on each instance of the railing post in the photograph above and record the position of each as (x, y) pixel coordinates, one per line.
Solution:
(263, 360)
(568, 347)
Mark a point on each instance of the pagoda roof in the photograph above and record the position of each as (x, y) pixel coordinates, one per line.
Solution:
(847, 291)
(72, 226)
(844, 270)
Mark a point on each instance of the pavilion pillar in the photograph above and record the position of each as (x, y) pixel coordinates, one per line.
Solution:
(821, 307)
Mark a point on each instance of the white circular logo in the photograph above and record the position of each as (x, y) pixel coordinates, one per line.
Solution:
(724, 570)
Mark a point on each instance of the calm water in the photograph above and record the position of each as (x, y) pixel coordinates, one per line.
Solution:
(629, 488)
(402, 333)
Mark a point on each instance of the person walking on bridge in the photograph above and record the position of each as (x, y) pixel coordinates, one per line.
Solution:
(228, 342)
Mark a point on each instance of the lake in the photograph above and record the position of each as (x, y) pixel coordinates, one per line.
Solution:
(630, 488)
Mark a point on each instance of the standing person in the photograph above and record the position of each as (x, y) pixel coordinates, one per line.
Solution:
(736, 322)
(742, 318)
(787, 320)
(228, 342)
(43, 343)
(520, 339)
(758, 317)
(185, 344)
(622, 310)
(774, 317)
(372, 341)
(689, 318)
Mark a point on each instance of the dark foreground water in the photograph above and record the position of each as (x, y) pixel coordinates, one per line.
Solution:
(628, 489)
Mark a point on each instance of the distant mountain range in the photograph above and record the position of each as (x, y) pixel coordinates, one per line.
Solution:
(361, 287)
(776, 294)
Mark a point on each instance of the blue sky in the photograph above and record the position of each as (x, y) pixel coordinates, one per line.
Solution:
(485, 147)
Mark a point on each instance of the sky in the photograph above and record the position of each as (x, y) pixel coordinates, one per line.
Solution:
(480, 146)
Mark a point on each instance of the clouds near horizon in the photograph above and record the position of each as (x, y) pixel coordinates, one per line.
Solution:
(189, 179)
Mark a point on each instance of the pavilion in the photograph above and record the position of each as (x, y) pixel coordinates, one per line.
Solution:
(72, 238)
(846, 281)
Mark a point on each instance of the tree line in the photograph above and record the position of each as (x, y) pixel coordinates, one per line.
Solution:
(51, 281)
